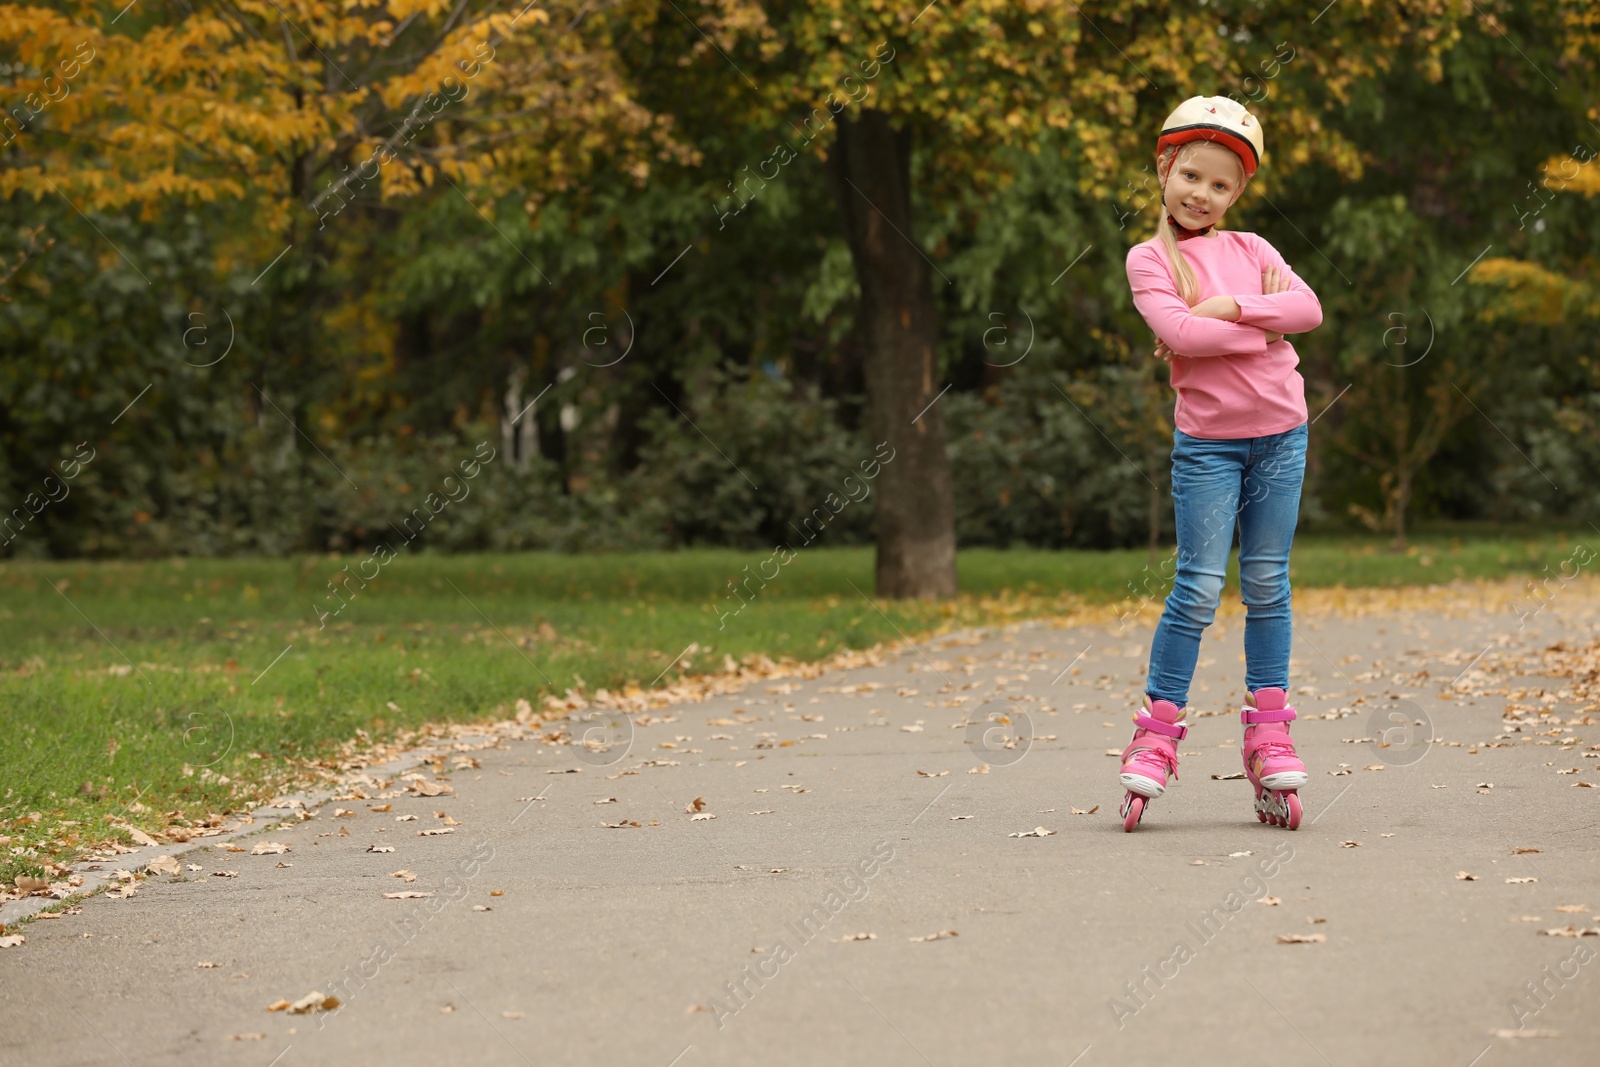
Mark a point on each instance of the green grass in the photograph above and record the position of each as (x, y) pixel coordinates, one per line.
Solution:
(124, 675)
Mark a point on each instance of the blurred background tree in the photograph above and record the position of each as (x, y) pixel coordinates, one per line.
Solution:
(565, 229)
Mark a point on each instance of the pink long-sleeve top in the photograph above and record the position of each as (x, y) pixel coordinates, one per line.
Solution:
(1231, 382)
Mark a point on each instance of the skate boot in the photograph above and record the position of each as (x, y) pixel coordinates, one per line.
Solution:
(1150, 757)
(1269, 759)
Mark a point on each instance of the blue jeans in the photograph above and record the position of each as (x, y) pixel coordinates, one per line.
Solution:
(1254, 481)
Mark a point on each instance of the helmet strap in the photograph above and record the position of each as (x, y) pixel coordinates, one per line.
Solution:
(1184, 231)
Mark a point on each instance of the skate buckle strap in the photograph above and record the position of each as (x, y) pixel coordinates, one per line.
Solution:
(1248, 715)
(1156, 726)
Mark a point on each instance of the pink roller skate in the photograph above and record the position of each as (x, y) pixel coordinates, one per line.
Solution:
(1269, 759)
(1150, 757)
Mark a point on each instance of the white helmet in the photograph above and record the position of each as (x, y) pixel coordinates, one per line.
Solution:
(1217, 119)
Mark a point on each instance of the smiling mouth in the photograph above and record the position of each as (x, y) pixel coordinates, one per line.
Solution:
(1195, 210)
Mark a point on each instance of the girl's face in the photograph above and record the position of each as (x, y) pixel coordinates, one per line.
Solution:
(1206, 179)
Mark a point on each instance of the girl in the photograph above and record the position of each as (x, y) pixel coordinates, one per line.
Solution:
(1219, 303)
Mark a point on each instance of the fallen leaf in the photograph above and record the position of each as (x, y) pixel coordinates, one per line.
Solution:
(406, 894)
(932, 774)
(280, 863)
(607, 800)
(700, 816)
(1302, 939)
(1522, 851)
(278, 1005)
(1235, 776)
(193, 867)
(940, 936)
(619, 825)
(1336, 774)
(425, 788)
(269, 848)
(982, 768)
(249, 1037)
(380, 848)
(764, 811)
(1521, 881)
(1572, 907)
(403, 873)
(958, 818)
(405, 818)
(511, 1015)
(1524, 1033)
(139, 836)
(164, 865)
(206, 965)
(1310, 921)
(1037, 831)
(1197, 863)
(697, 804)
(313, 1001)
(343, 813)
(1349, 844)
(1385, 835)
(566, 770)
(379, 807)
(1081, 811)
(1373, 767)
(435, 833)
(856, 937)
(11, 940)
(1571, 931)
(481, 907)
(1270, 902)
(913, 729)
(1463, 876)
(1527, 918)
(224, 874)
(29, 884)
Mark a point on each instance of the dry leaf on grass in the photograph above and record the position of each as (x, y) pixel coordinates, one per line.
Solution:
(406, 894)
(269, 848)
(1037, 831)
(940, 936)
(1302, 939)
(29, 884)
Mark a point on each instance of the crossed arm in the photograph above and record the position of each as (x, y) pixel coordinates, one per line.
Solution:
(1222, 325)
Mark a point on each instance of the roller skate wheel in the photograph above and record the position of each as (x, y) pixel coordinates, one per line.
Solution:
(1292, 802)
(1132, 811)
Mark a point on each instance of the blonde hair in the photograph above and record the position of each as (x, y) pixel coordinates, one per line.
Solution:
(1188, 285)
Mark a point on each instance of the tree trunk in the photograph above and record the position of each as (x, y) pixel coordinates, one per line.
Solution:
(871, 173)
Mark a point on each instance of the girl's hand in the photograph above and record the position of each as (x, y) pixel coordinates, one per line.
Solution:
(1162, 352)
(1274, 280)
